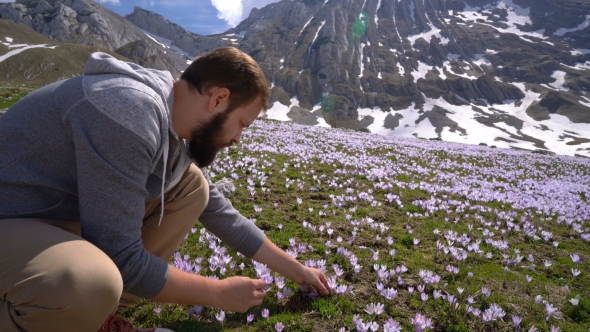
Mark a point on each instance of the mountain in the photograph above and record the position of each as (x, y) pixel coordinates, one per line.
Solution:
(86, 22)
(27, 57)
(515, 71)
(175, 36)
(504, 73)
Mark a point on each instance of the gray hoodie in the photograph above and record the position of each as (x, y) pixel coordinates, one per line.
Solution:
(94, 149)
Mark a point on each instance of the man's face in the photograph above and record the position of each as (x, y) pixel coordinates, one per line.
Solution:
(221, 131)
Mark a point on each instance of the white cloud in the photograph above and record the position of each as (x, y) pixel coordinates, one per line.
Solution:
(113, 2)
(229, 10)
(235, 11)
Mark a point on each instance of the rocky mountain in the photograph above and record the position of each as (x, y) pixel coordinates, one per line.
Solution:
(175, 36)
(506, 73)
(27, 57)
(510, 73)
(88, 23)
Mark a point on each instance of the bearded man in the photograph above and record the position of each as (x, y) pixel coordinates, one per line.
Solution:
(100, 180)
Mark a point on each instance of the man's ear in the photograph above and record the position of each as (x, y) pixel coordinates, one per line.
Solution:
(219, 99)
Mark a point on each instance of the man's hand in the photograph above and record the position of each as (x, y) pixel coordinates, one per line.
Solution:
(231, 294)
(315, 278)
(281, 262)
(240, 293)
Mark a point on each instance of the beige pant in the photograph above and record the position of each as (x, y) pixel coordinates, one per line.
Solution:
(53, 280)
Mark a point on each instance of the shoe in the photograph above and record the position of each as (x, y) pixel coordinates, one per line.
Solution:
(118, 324)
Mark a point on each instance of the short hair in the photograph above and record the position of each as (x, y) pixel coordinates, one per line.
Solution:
(228, 67)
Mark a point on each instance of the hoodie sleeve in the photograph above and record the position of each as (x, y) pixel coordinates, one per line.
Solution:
(223, 220)
(113, 164)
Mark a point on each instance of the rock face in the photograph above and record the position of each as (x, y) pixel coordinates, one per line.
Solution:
(392, 54)
(144, 54)
(517, 71)
(73, 21)
(87, 22)
(179, 37)
(435, 69)
(302, 116)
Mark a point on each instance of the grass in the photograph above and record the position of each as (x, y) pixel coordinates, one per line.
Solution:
(11, 93)
(339, 175)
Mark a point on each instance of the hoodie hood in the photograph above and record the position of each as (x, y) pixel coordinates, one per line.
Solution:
(104, 72)
(160, 81)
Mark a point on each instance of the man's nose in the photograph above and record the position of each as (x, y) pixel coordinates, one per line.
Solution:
(236, 139)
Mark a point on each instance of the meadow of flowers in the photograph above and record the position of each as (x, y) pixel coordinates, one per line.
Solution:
(414, 235)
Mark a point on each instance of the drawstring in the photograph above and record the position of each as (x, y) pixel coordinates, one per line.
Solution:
(163, 182)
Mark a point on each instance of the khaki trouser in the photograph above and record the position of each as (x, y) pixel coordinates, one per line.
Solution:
(53, 280)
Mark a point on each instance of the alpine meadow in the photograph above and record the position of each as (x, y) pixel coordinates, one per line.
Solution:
(431, 157)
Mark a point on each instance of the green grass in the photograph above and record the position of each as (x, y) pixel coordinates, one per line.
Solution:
(11, 93)
(509, 288)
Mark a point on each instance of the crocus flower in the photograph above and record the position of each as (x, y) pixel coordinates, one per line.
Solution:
(552, 311)
(516, 321)
(279, 327)
(195, 311)
(220, 316)
(249, 318)
(575, 258)
(158, 310)
(374, 309)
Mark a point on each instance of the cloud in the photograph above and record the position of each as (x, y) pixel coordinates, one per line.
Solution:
(235, 11)
(146, 3)
(112, 2)
(229, 10)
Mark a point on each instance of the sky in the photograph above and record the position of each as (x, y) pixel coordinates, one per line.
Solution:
(204, 17)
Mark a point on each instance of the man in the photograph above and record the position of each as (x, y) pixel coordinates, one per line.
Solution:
(97, 190)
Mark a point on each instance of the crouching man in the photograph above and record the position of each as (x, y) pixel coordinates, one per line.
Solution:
(100, 180)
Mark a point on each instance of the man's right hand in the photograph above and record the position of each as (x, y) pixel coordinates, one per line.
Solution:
(240, 293)
(231, 294)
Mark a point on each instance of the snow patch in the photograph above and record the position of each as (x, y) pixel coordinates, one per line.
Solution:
(421, 71)
(167, 43)
(279, 111)
(377, 16)
(582, 26)
(400, 68)
(517, 17)
(480, 59)
(317, 34)
(26, 47)
(559, 77)
(304, 26)
(361, 63)
(580, 51)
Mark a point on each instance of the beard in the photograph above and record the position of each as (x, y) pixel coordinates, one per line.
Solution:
(206, 142)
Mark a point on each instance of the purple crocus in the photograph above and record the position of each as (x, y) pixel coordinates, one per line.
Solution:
(516, 321)
(249, 318)
(265, 313)
(195, 311)
(279, 327)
